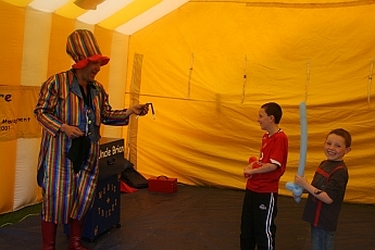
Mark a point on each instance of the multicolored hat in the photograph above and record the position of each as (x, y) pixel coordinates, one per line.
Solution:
(82, 47)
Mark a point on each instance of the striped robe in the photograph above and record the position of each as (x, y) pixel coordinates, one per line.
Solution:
(65, 194)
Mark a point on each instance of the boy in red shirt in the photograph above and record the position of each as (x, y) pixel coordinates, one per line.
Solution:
(259, 209)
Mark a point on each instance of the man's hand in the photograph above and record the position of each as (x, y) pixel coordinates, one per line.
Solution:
(140, 109)
(71, 131)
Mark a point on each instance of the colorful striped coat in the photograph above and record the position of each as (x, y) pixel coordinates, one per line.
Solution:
(68, 195)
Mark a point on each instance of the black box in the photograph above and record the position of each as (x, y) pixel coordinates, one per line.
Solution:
(111, 157)
(132, 178)
(105, 213)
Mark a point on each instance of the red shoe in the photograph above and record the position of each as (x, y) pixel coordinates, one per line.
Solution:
(48, 235)
(75, 238)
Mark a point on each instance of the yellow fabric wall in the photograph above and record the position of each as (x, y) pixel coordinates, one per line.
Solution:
(11, 52)
(194, 62)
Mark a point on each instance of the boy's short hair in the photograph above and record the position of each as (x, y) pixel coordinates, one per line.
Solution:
(344, 134)
(272, 108)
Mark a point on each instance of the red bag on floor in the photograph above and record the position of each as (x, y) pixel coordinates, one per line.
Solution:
(162, 184)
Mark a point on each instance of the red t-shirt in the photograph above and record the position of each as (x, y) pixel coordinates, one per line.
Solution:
(274, 150)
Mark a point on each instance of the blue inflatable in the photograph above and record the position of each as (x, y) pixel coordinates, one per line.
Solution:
(297, 190)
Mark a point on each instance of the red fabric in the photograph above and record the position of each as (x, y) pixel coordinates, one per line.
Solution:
(274, 150)
(124, 188)
(95, 58)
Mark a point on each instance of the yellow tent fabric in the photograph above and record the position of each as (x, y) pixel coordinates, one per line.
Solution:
(207, 66)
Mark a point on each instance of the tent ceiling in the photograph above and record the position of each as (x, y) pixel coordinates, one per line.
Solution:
(129, 16)
(124, 16)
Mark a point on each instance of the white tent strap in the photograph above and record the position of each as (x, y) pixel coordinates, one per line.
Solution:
(244, 80)
(190, 74)
(307, 80)
(370, 81)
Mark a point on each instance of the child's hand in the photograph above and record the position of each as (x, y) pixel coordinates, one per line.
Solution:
(300, 181)
(247, 171)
